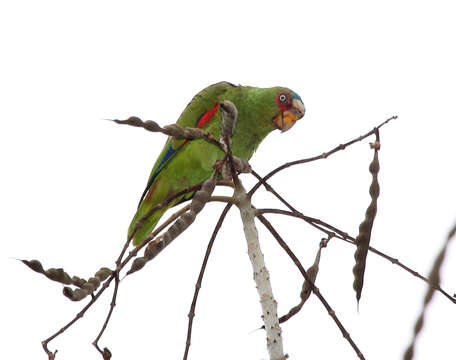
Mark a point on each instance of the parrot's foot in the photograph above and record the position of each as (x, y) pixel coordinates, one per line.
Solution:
(240, 166)
(218, 165)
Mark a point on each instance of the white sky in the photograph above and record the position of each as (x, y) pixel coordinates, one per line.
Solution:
(70, 182)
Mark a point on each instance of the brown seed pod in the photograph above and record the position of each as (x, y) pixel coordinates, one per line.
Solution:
(306, 289)
(229, 118)
(58, 275)
(137, 122)
(76, 281)
(103, 273)
(86, 287)
(173, 130)
(365, 228)
(199, 200)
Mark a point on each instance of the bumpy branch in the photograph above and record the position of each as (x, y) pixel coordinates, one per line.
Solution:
(260, 272)
(260, 275)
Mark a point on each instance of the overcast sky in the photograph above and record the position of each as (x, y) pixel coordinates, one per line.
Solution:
(70, 182)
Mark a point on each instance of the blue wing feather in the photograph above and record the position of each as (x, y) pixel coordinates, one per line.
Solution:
(170, 151)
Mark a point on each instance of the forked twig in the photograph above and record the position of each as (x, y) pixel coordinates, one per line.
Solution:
(323, 226)
(191, 313)
(105, 352)
(120, 265)
(321, 156)
(315, 290)
(228, 165)
(342, 235)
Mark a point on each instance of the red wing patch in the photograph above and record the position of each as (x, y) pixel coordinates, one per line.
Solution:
(206, 117)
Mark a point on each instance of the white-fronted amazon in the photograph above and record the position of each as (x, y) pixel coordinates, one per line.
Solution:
(184, 163)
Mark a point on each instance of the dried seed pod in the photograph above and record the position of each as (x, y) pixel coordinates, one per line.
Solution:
(137, 122)
(365, 228)
(74, 295)
(138, 264)
(199, 200)
(173, 130)
(35, 265)
(58, 275)
(103, 273)
(183, 133)
(229, 118)
(306, 288)
(76, 281)
(312, 272)
(86, 287)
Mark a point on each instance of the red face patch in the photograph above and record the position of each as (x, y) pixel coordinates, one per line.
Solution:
(283, 99)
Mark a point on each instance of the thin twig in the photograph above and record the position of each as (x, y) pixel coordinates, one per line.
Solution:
(315, 290)
(191, 313)
(321, 156)
(105, 352)
(342, 235)
(106, 284)
(78, 316)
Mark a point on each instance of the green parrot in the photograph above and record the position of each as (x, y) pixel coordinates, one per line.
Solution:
(184, 163)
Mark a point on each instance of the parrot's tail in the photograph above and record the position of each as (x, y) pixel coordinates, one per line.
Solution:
(146, 227)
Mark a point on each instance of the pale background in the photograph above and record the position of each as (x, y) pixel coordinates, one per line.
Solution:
(70, 182)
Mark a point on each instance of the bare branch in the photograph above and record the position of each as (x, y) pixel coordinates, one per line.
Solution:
(315, 290)
(105, 352)
(260, 275)
(191, 313)
(342, 235)
(321, 156)
(434, 280)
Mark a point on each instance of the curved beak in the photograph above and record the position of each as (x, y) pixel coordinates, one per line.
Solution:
(286, 119)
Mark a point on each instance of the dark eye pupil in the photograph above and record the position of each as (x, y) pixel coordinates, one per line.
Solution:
(283, 98)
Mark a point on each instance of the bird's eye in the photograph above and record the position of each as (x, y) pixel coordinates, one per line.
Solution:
(283, 98)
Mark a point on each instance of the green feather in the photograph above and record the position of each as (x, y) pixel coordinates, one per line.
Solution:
(193, 162)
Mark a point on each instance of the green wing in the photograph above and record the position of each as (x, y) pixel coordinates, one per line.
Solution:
(202, 104)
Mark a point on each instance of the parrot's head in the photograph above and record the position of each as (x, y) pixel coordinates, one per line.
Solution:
(290, 109)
